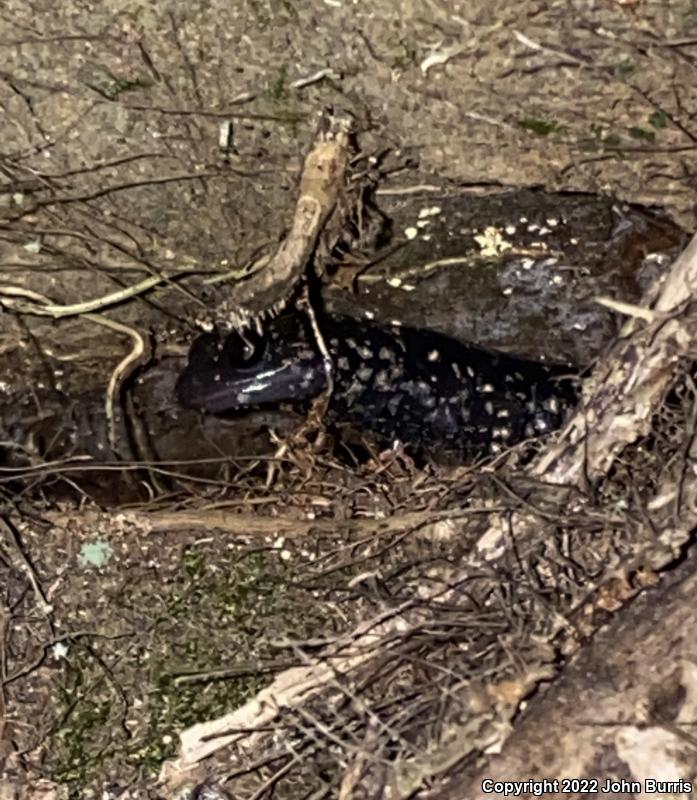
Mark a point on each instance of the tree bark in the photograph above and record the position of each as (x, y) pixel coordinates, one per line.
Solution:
(624, 710)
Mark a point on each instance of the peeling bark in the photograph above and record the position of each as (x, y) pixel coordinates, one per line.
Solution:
(626, 390)
(624, 709)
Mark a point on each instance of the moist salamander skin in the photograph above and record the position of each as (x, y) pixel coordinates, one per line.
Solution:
(415, 385)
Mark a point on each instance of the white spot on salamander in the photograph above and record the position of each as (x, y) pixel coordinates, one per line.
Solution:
(382, 380)
(365, 352)
(393, 404)
(434, 355)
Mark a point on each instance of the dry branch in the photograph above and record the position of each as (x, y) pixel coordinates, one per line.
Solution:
(250, 524)
(322, 179)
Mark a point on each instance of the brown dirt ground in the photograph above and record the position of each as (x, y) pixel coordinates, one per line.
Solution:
(112, 169)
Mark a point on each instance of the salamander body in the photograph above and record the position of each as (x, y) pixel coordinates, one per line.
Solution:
(419, 386)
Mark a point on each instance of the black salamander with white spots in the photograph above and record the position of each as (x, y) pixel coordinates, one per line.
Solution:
(418, 386)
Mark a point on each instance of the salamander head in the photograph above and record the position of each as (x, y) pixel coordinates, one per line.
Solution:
(248, 369)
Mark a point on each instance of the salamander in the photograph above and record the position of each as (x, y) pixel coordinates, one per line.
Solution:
(418, 386)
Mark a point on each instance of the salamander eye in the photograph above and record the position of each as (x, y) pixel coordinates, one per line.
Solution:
(243, 350)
